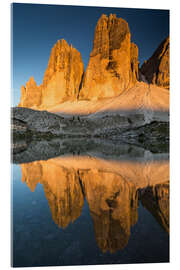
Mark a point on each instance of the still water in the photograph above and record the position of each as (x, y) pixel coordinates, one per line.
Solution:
(85, 208)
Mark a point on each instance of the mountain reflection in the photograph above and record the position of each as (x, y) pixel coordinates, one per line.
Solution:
(113, 206)
(61, 186)
(156, 200)
(112, 189)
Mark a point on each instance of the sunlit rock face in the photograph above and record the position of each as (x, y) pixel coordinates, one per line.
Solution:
(156, 68)
(113, 206)
(113, 63)
(113, 68)
(31, 94)
(63, 75)
(61, 80)
(156, 200)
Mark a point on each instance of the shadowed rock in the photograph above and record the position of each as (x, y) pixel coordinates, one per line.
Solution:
(46, 134)
(156, 200)
(156, 68)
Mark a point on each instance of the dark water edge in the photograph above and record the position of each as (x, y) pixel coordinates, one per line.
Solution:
(28, 150)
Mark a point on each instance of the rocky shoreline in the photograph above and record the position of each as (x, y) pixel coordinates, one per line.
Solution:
(35, 123)
(43, 135)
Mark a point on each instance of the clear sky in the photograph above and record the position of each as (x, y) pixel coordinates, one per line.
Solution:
(36, 28)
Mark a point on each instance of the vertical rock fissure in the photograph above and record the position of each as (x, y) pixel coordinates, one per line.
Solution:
(80, 85)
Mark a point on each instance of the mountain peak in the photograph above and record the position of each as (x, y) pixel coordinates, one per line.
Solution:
(112, 55)
(156, 68)
(112, 69)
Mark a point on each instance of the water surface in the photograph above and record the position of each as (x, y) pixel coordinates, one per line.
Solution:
(90, 207)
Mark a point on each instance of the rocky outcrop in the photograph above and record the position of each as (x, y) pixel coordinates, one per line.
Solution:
(156, 68)
(18, 126)
(154, 136)
(63, 76)
(61, 81)
(38, 122)
(113, 63)
(31, 94)
(126, 128)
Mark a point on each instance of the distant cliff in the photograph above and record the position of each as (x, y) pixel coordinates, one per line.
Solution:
(156, 68)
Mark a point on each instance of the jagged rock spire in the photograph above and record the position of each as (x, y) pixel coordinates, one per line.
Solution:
(113, 64)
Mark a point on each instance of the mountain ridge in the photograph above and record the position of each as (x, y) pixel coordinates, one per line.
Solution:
(112, 69)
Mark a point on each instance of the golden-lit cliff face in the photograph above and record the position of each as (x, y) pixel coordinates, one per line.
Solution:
(31, 94)
(61, 80)
(113, 63)
(112, 68)
(111, 189)
(63, 75)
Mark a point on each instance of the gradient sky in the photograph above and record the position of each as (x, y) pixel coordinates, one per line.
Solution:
(36, 28)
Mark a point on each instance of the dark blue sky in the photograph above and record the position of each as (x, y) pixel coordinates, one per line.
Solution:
(36, 28)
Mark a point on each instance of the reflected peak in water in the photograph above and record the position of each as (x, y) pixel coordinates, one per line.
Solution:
(61, 187)
(156, 200)
(112, 189)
